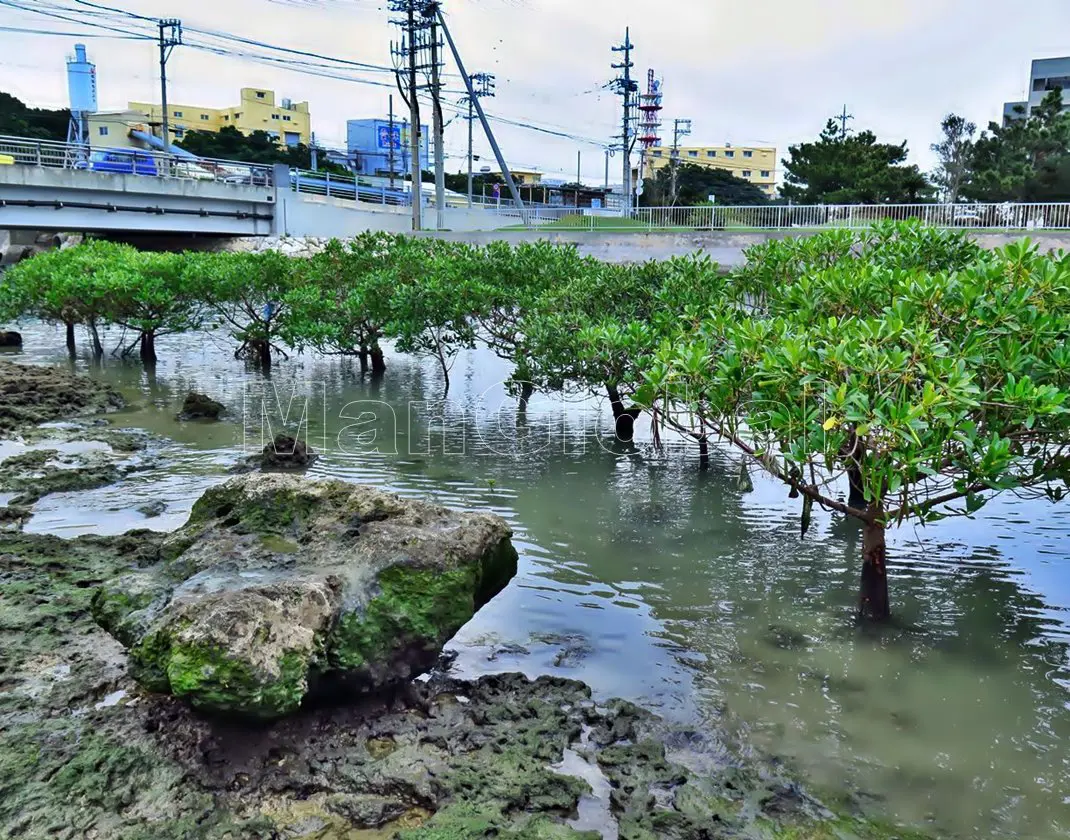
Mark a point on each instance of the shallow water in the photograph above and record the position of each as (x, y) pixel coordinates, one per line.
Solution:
(690, 593)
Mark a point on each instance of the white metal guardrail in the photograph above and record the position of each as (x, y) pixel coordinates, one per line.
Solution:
(1005, 216)
(127, 161)
(332, 185)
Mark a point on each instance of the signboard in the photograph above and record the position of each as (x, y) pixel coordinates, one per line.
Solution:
(497, 191)
(596, 204)
(384, 137)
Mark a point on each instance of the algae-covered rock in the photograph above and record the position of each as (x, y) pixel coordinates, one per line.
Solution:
(200, 407)
(277, 586)
(85, 753)
(32, 394)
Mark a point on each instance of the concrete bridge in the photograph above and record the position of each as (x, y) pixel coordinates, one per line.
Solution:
(131, 194)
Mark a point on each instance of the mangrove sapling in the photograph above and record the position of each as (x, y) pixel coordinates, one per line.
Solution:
(778, 277)
(434, 299)
(614, 320)
(512, 281)
(249, 293)
(66, 287)
(956, 392)
(340, 303)
(152, 295)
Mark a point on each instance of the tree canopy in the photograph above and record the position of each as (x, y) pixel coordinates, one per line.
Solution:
(954, 153)
(19, 120)
(851, 169)
(1028, 159)
(257, 147)
(695, 184)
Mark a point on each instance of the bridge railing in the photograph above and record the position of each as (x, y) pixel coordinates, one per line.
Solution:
(1004, 216)
(332, 185)
(129, 161)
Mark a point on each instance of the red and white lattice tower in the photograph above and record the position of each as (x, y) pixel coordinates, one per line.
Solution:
(650, 112)
(649, 122)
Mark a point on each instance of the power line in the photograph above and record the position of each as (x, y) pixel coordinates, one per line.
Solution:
(29, 31)
(112, 9)
(330, 70)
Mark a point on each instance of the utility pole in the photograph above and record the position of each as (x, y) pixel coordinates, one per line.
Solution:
(680, 128)
(627, 88)
(315, 161)
(430, 14)
(607, 170)
(483, 120)
(579, 177)
(170, 37)
(405, 53)
(483, 84)
(843, 118)
(391, 153)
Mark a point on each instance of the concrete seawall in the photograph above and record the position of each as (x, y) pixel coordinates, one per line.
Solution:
(724, 247)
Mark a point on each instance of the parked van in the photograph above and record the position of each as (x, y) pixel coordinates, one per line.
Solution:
(123, 162)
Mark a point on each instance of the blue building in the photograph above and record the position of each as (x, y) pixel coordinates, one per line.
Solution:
(369, 142)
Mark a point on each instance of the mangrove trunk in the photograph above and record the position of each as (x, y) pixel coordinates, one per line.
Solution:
(378, 362)
(98, 347)
(71, 347)
(623, 418)
(148, 348)
(526, 390)
(873, 597)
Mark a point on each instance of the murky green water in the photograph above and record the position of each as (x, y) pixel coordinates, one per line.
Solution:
(691, 593)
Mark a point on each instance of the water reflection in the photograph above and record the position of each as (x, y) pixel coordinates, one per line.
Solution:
(690, 592)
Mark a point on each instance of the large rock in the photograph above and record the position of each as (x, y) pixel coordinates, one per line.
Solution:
(200, 407)
(10, 339)
(34, 394)
(278, 587)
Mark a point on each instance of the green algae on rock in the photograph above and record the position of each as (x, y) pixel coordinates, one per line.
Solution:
(85, 753)
(278, 585)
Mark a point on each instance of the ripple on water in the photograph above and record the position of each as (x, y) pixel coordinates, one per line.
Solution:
(706, 604)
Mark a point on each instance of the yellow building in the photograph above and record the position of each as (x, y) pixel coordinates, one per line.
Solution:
(524, 177)
(288, 122)
(756, 164)
(111, 129)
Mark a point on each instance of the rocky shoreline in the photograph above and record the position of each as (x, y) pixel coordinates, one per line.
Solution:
(88, 751)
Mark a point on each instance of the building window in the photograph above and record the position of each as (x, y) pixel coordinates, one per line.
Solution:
(274, 116)
(1055, 82)
(103, 130)
(765, 173)
(204, 118)
(177, 114)
(746, 173)
(657, 153)
(748, 153)
(179, 133)
(260, 94)
(711, 154)
(692, 154)
(286, 119)
(729, 153)
(226, 118)
(237, 115)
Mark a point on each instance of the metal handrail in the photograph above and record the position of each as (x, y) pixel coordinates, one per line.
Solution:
(55, 155)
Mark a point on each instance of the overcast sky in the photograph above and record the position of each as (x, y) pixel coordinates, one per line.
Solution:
(761, 71)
